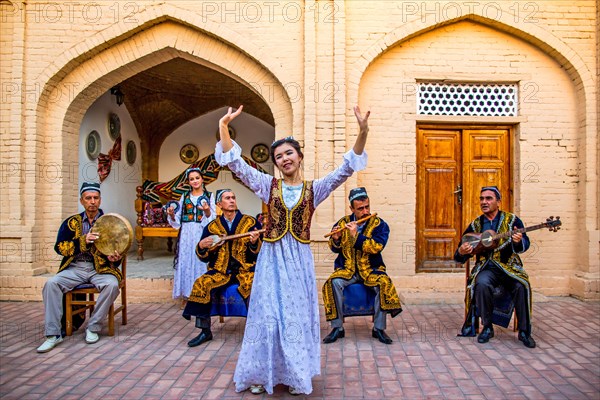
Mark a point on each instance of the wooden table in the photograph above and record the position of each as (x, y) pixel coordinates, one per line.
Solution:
(142, 232)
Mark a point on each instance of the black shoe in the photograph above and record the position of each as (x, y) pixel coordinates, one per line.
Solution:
(204, 336)
(335, 334)
(526, 339)
(486, 334)
(381, 335)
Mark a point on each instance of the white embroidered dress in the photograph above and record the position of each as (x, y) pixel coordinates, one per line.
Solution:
(282, 338)
(188, 266)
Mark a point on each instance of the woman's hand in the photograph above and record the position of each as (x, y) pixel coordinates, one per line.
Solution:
(205, 208)
(171, 212)
(363, 124)
(224, 127)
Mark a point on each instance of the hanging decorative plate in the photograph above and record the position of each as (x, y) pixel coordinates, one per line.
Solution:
(114, 126)
(231, 133)
(189, 153)
(131, 152)
(92, 145)
(260, 153)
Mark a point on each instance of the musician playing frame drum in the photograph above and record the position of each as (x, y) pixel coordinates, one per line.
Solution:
(496, 266)
(82, 263)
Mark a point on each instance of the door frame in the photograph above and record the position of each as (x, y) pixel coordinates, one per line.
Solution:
(507, 195)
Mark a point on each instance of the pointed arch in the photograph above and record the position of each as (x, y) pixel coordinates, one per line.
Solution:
(96, 64)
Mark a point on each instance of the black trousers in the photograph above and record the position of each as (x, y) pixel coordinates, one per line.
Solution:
(493, 276)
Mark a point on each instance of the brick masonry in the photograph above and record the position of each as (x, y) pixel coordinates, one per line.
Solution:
(58, 58)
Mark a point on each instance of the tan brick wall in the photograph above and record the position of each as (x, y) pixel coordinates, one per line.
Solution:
(63, 56)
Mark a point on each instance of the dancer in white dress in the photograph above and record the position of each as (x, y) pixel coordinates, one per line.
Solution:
(282, 337)
(196, 208)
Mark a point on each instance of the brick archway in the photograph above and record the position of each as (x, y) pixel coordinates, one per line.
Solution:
(74, 87)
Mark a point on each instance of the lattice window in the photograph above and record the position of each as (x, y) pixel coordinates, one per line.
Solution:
(476, 99)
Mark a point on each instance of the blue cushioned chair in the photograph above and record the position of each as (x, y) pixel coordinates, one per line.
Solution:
(358, 300)
(229, 303)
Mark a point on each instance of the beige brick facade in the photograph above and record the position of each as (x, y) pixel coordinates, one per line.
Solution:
(311, 61)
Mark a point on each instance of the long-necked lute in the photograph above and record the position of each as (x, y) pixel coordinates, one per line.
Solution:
(488, 240)
(218, 239)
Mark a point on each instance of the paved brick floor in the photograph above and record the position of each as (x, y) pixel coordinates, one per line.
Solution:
(149, 359)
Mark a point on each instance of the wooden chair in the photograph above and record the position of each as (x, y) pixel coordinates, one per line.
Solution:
(76, 306)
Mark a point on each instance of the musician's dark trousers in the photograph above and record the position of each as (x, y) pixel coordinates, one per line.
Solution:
(75, 274)
(338, 285)
(492, 276)
(202, 311)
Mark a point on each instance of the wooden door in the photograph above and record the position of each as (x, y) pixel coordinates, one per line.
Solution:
(453, 164)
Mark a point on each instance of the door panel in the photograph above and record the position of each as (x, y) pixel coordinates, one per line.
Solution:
(438, 177)
(485, 163)
(453, 165)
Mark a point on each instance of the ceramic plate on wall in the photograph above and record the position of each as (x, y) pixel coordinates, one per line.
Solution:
(131, 152)
(114, 126)
(92, 145)
(189, 153)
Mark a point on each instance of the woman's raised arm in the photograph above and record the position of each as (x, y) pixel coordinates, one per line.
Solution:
(363, 124)
(224, 128)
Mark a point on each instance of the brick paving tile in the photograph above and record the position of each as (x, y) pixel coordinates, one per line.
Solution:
(423, 373)
(444, 380)
(453, 393)
(392, 389)
(352, 374)
(430, 387)
(144, 360)
(185, 380)
(122, 387)
(137, 392)
(408, 380)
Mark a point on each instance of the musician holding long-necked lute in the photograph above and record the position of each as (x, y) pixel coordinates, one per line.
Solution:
(496, 238)
(82, 262)
(229, 245)
(358, 239)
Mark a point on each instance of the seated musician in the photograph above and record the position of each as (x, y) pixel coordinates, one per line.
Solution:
(359, 259)
(228, 262)
(498, 266)
(81, 263)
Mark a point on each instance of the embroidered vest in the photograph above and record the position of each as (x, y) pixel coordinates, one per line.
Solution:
(191, 213)
(281, 219)
(502, 255)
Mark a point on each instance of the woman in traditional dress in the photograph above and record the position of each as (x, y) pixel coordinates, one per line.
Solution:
(282, 336)
(195, 209)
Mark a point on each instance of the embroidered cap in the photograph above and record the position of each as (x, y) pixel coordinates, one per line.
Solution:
(190, 170)
(220, 193)
(358, 193)
(493, 189)
(86, 186)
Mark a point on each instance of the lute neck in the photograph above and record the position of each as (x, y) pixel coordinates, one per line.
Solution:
(519, 230)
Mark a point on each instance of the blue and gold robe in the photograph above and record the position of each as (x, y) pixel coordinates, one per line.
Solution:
(362, 255)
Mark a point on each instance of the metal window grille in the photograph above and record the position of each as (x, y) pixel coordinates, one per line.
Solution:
(475, 99)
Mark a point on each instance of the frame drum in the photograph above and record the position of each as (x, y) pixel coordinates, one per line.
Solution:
(115, 234)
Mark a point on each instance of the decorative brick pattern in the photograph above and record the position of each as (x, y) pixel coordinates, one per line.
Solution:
(149, 358)
(311, 62)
